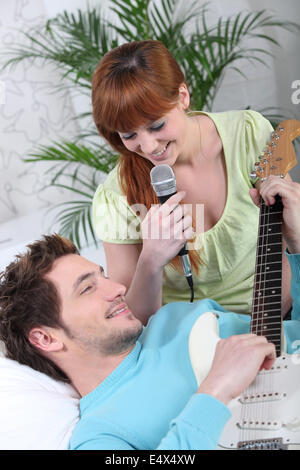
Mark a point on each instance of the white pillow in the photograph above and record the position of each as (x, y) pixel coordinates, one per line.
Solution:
(36, 411)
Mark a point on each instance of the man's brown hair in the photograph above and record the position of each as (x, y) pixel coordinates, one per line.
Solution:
(29, 300)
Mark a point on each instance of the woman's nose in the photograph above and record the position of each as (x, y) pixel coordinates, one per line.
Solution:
(147, 143)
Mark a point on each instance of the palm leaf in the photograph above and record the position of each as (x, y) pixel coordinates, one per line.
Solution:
(74, 217)
(215, 50)
(75, 222)
(74, 43)
(101, 159)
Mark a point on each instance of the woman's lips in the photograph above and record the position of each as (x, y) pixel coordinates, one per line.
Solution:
(159, 156)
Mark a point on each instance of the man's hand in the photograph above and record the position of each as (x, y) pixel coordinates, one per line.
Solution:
(290, 194)
(236, 363)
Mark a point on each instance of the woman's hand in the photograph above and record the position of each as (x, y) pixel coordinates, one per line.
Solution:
(165, 230)
(290, 194)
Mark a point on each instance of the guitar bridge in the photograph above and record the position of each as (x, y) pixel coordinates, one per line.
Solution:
(262, 444)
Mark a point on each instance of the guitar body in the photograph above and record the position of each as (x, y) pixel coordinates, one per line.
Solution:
(267, 414)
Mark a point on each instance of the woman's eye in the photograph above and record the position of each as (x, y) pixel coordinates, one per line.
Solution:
(158, 126)
(128, 136)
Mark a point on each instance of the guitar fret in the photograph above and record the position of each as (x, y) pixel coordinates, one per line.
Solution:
(272, 253)
(268, 262)
(266, 326)
(264, 295)
(277, 271)
(276, 243)
(268, 311)
(274, 340)
(269, 317)
(271, 223)
(261, 332)
(271, 233)
(266, 306)
(267, 303)
(272, 213)
(277, 306)
(272, 334)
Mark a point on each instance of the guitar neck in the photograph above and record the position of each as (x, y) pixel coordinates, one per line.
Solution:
(266, 318)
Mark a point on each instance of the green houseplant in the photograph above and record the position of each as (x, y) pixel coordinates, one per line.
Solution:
(75, 43)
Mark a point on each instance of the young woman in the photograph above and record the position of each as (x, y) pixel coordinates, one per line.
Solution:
(140, 106)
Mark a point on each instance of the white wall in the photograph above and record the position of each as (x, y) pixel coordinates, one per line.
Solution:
(266, 86)
(31, 115)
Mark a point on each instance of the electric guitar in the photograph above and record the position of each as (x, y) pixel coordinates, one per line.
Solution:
(267, 415)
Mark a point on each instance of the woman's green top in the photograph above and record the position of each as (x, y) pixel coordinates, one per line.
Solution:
(228, 249)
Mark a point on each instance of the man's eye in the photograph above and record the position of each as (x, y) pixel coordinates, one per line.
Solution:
(86, 289)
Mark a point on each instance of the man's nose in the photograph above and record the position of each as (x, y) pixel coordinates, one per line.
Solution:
(111, 289)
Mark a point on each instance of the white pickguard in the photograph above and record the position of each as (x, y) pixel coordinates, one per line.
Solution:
(270, 407)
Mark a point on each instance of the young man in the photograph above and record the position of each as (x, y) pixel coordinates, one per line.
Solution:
(60, 315)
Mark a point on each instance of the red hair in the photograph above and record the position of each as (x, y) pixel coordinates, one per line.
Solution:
(134, 84)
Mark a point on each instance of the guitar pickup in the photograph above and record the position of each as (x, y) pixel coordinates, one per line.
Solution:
(261, 397)
(260, 424)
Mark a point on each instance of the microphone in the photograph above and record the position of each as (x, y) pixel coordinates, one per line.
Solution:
(164, 184)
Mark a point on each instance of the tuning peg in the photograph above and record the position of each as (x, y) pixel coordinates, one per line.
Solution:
(253, 175)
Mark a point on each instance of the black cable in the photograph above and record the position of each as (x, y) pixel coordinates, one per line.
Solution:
(191, 284)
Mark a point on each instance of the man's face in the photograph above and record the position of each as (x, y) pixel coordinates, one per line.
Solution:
(95, 316)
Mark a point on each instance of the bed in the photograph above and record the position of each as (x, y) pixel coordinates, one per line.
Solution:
(37, 412)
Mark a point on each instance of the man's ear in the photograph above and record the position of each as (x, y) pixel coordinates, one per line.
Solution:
(44, 339)
(184, 96)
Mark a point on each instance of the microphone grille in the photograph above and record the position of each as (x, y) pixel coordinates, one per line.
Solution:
(163, 180)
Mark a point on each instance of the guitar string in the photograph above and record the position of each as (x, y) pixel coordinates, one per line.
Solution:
(260, 270)
(267, 381)
(246, 434)
(267, 375)
(257, 409)
(261, 380)
(260, 383)
(260, 407)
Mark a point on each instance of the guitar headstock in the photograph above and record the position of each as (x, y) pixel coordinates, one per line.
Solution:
(279, 156)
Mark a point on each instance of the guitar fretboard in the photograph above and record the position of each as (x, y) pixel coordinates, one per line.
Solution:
(266, 306)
